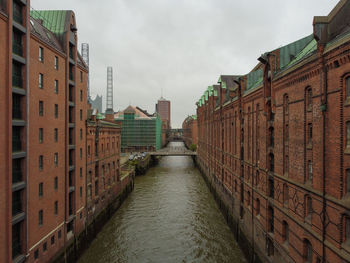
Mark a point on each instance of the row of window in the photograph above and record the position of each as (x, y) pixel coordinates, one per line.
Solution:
(41, 135)
(52, 241)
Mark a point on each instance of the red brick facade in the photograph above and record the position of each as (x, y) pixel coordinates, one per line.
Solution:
(190, 130)
(279, 148)
(43, 135)
(103, 164)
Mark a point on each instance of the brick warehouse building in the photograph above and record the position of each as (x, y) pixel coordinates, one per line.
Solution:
(103, 163)
(190, 130)
(275, 146)
(43, 195)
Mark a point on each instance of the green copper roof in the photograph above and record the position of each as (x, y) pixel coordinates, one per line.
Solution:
(99, 116)
(310, 48)
(54, 20)
(254, 78)
(210, 90)
(194, 117)
(290, 51)
(223, 84)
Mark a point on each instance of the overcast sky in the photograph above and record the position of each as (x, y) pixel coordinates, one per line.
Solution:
(181, 46)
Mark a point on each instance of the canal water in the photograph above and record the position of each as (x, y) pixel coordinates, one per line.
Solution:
(170, 216)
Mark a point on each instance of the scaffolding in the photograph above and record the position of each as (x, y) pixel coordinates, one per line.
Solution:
(141, 134)
(109, 105)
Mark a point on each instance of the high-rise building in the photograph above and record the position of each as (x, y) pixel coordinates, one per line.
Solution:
(163, 109)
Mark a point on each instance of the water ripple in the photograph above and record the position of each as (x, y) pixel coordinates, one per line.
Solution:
(170, 217)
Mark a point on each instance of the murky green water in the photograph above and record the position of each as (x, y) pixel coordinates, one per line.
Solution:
(169, 217)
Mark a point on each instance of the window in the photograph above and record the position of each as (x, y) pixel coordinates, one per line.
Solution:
(307, 251)
(44, 246)
(41, 189)
(271, 187)
(56, 111)
(309, 128)
(347, 91)
(309, 165)
(41, 217)
(41, 108)
(272, 162)
(41, 135)
(348, 134)
(59, 234)
(55, 185)
(347, 175)
(285, 193)
(41, 81)
(81, 192)
(81, 76)
(81, 95)
(248, 197)
(286, 104)
(285, 232)
(41, 54)
(56, 86)
(81, 172)
(89, 150)
(309, 98)
(56, 208)
(81, 153)
(270, 219)
(56, 135)
(308, 203)
(287, 133)
(347, 229)
(286, 168)
(41, 162)
(36, 254)
(55, 159)
(56, 62)
(52, 240)
(81, 134)
(81, 115)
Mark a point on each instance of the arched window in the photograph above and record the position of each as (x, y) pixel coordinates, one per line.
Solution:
(347, 229)
(285, 193)
(272, 136)
(309, 98)
(271, 187)
(285, 232)
(307, 251)
(308, 206)
(347, 180)
(272, 162)
(309, 171)
(286, 104)
(348, 134)
(347, 88)
(248, 197)
(270, 219)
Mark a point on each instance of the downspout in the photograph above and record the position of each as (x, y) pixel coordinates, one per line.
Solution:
(324, 112)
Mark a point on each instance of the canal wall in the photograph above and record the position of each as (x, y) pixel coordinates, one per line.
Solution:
(79, 243)
(247, 234)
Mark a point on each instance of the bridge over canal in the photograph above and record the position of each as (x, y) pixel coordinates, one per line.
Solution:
(173, 151)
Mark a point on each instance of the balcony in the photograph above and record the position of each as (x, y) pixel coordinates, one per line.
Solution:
(16, 171)
(16, 107)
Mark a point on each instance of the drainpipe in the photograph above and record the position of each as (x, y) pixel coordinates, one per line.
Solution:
(324, 112)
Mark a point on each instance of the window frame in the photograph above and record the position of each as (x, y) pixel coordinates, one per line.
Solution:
(41, 54)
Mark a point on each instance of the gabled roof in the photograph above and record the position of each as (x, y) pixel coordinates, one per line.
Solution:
(54, 20)
(44, 34)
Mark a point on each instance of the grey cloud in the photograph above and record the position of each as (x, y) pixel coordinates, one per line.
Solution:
(181, 46)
